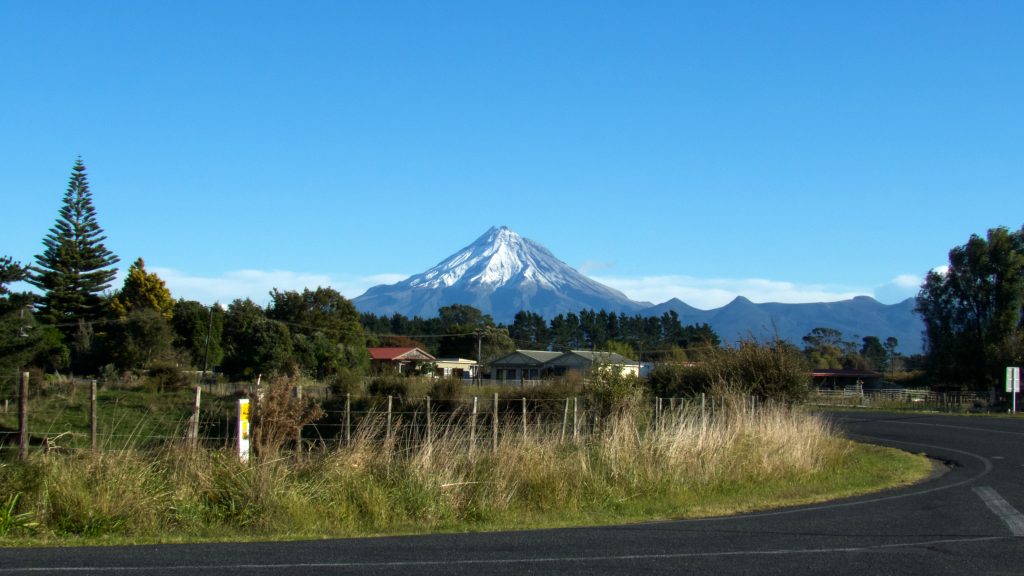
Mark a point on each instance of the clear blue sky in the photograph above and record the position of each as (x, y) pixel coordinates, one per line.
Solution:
(791, 151)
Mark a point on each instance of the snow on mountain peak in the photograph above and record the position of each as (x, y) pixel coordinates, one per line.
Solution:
(494, 259)
(500, 273)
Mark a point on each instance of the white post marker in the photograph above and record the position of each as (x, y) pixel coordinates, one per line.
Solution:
(1013, 384)
(243, 429)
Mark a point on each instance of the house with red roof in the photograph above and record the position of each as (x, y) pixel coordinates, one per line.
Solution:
(399, 360)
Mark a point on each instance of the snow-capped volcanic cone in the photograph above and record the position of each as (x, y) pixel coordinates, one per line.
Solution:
(500, 273)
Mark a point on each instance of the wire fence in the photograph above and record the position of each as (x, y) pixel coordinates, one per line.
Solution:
(80, 416)
(903, 399)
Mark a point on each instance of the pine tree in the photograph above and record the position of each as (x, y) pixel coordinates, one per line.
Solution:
(75, 267)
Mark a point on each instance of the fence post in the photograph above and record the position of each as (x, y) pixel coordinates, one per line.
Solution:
(494, 427)
(575, 418)
(298, 429)
(389, 418)
(23, 417)
(703, 416)
(472, 427)
(348, 419)
(429, 435)
(565, 420)
(195, 414)
(93, 415)
(524, 418)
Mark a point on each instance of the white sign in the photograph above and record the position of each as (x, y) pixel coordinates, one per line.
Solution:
(1013, 379)
(243, 429)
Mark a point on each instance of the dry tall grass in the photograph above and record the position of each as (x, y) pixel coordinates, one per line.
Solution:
(393, 481)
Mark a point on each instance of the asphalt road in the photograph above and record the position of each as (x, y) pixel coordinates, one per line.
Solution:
(966, 521)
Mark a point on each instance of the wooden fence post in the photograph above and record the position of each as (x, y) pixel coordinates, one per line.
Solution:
(494, 431)
(348, 419)
(195, 415)
(472, 427)
(565, 420)
(23, 417)
(429, 435)
(575, 418)
(524, 418)
(389, 419)
(298, 429)
(93, 415)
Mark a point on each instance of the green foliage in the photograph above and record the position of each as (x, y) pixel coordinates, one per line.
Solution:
(389, 386)
(973, 311)
(621, 348)
(587, 330)
(139, 339)
(21, 336)
(12, 521)
(529, 330)
(165, 375)
(75, 267)
(346, 381)
(875, 353)
(774, 370)
(10, 272)
(142, 290)
(325, 330)
(253, 344)
(612, 393)
(197, 331)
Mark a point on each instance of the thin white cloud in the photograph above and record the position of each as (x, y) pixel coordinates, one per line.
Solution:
(899, 288)
(703, 293)
(593, 265)
(257, 284)
(706, 294)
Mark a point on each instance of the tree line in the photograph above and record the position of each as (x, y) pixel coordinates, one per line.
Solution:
(973, 312)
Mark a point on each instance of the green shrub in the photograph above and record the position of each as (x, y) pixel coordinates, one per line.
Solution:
(774, 370)
(389, 386)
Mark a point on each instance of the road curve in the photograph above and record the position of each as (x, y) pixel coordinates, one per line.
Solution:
(967, 521)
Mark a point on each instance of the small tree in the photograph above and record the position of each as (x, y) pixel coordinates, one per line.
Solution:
(197, 331)
(142, 290)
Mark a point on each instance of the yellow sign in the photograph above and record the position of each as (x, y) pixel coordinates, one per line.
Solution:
(243, 429)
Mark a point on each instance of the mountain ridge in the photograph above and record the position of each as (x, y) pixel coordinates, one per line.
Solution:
(502, 273)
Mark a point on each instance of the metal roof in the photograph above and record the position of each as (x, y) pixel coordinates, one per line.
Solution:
(399, 354)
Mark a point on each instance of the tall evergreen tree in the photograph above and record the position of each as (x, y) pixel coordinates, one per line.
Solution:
(75, 267)
(973, 311)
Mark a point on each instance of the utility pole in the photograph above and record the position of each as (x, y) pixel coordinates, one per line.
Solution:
(206, 356)
(479, 355)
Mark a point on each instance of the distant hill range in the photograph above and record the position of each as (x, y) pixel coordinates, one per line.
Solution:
(502, 273)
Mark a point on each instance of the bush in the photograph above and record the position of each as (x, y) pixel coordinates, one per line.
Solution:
(163, 376)
(278, 415)
(346, 381)
(389, 386)
(612, 393)
(774, 370)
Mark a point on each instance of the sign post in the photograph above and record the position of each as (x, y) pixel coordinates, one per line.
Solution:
(1013, 384)
(243, 429)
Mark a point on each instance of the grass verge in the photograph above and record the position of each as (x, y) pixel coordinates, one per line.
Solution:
(687, 466)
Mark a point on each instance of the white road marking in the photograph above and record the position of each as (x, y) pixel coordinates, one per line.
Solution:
(1001, 508)
(494, 561)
